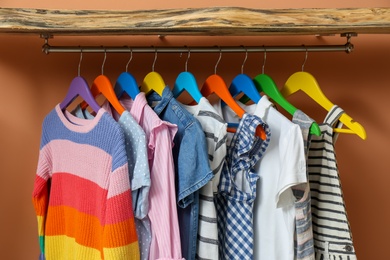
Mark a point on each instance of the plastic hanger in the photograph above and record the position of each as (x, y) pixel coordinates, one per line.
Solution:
(307, 83)
(102, 85)
(267, 85)
(153, 81)
(126, 83)
(186, 81)
(79, 87)
(215, 84)
(242, 83)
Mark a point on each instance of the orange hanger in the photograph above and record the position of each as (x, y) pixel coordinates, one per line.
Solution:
(215, 84)
(102, 85)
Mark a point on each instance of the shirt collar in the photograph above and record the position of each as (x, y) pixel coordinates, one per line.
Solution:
(262, 106)
(163, 100)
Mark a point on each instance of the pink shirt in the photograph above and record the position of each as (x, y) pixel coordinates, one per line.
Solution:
(162, 196)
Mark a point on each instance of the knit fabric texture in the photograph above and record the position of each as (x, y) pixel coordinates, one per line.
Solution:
(82, 194)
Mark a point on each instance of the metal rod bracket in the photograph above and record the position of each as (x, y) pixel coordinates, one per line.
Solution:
(46, 46)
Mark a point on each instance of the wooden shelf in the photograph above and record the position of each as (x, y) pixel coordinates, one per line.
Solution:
(197, 21)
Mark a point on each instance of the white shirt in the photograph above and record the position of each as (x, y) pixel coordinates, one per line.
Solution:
(282, 167)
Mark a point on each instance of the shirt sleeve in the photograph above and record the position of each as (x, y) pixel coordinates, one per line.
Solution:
(293, 166)
(141, 180)
(165, 242)
(193, 164)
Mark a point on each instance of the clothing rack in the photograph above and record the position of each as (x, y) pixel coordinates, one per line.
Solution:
(47, 48)
(198, 49)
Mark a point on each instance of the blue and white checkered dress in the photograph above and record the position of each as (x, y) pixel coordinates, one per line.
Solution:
(235, 200)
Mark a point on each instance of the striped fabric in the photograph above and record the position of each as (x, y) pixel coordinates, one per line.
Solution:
(214, 128)
(332, 235)
(303, 238)
(82, 194)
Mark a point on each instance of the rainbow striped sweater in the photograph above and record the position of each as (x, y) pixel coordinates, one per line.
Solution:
(82, 195)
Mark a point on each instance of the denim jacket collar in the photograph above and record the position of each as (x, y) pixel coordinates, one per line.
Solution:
(163, 100)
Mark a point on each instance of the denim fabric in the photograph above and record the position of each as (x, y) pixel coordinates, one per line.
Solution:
(192, 169)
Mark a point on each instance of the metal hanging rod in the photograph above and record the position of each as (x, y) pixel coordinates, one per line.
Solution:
(198, 49)
(348, 47)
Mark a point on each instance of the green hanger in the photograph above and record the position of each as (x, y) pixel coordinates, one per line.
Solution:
(266, 84)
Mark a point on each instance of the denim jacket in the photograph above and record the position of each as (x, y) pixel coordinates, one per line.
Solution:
(192, 169)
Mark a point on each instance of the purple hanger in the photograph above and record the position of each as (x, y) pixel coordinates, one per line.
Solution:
(79, 87)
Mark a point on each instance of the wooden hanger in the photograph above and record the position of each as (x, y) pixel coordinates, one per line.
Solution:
(79, 87)
(242, 83)
(307, 83)
(215, 84)
(267, 85)
(102, 85)
(126, 83)
(186, 81)
(153, 81)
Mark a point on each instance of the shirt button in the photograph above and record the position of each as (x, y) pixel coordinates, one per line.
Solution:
(348, 248)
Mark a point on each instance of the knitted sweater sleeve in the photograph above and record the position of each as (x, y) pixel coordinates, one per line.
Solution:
(119, 233)
(40, 196)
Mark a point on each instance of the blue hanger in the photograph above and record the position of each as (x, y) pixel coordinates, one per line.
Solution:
(126, 83)
(186, 81)
(79, 87)
(242, 83)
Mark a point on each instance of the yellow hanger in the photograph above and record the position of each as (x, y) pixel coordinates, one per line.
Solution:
(153, 81)
(307, 83)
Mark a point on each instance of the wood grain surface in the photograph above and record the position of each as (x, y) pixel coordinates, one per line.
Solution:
(196, 21)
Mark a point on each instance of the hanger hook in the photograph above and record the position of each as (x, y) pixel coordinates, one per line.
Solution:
(246, 57)
(304, 62)
(220, 56)
(104, 60)
(131, 58)
(81, 58)
(264, 60)
(155, 58)
(188, 57)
